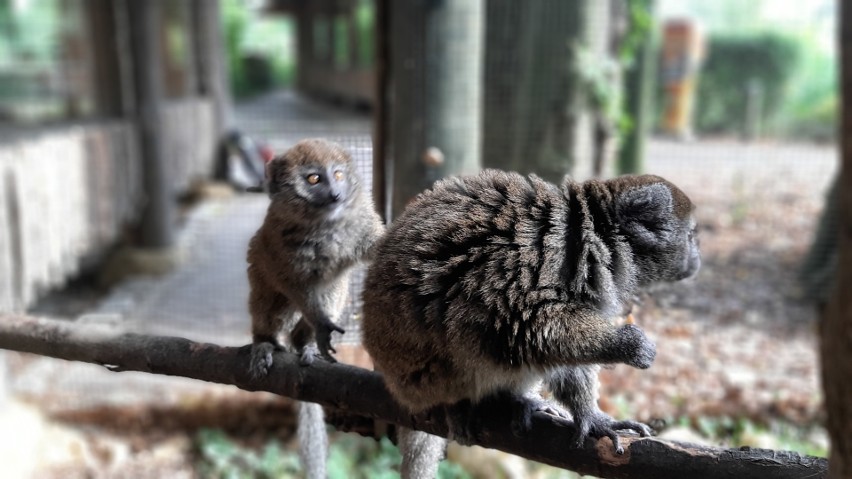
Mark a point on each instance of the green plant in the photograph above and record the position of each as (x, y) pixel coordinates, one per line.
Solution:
(234, 24)
(260, 50)
(764, 62)
(365, 23)
(350, 457)
(222, 458)
(738, 432)
(355, 457)
(812, 108)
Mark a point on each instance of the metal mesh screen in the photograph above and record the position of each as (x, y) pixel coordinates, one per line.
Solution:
(734, 342)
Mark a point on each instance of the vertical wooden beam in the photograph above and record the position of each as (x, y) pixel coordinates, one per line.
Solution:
(837, 317)
(211, 59)
(108, 99)
(121, 18)
(329, 9)
(304, 45)
(159, 211)
(191, 80)
(639, 84)
(537, 116)
(354, 41)
(382, 166)
(436, 82)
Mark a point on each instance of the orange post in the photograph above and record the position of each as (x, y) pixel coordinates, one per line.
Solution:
(683, 51)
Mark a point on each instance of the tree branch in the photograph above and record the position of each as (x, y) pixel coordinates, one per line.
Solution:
(358, 391)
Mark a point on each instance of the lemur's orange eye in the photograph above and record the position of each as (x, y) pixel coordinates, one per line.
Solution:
(313, 179)
(338, 175)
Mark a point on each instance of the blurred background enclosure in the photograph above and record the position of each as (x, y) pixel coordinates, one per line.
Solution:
(122, 123)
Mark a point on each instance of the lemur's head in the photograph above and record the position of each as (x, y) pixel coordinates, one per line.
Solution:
(657, 219)
(315, 176)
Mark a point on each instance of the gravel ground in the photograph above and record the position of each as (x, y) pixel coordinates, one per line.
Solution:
(738, 340)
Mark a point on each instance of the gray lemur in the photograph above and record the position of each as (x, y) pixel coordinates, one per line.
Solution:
(318, 226)
(487, 284)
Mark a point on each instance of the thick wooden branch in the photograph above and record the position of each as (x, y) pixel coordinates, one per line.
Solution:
(362, 392)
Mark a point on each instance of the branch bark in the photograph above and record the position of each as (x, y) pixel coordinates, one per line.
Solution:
(358, 391)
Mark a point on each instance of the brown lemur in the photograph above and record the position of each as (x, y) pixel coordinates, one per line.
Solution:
(319, 224)
(488, 284)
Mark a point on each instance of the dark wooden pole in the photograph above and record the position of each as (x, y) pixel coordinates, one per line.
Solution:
(382, 168)
(102, 16)
(159, 211)
(837, 317)
(639, 83)
(436, 82)
(536, 107)
(212, 61)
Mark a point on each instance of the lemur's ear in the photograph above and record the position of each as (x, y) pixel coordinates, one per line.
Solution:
(274, 170)
(645, 213)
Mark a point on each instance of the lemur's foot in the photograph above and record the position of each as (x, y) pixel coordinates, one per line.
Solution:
(601, 425)
(308, 355)
(524, 406)
(466, 419)
(531, 403)
(323, 337)
(261, 358)
(546, 406)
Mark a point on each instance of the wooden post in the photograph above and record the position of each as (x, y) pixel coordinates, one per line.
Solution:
(382, 167)
(108, 101)
(639, 90)
(436, 83)
(305, 58)
(211, 60)
(837, 317)
(537, 117)
(354, 41)
(159, 211)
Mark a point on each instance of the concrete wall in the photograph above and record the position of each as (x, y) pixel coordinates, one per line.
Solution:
(64, 193)
(67, 192)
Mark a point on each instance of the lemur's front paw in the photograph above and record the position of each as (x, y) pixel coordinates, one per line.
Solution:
(601, 425)
(261, 359)
(323, 337)
(636, 349)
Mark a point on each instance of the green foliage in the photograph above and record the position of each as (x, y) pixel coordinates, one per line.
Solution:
(350, 457)
(221, 458)
(365, 22)
(811, 111)
(260, 49)
(640, 27)
(767, 60)
(356, 457)
(234, 24)
(29, 31)
(738, 432)
(596, 76)
(341, 42)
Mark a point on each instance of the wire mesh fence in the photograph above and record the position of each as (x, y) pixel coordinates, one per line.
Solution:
(737, 340)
